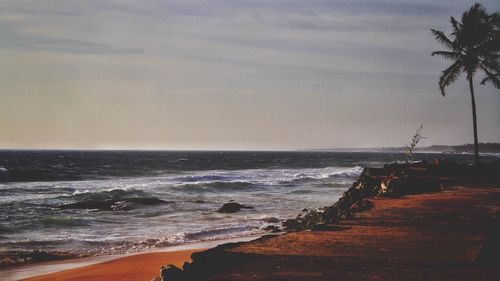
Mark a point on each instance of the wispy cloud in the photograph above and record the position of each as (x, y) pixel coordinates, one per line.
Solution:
(212, 49)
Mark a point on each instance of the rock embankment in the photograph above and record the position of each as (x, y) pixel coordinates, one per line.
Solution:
(395, 180)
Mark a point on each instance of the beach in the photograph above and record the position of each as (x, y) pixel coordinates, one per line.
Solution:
(135, 267)
(382, 201)
(122, 267)
(250, 140)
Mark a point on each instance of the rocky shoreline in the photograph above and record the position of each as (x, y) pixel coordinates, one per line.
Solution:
(395, 180)
(391, 181)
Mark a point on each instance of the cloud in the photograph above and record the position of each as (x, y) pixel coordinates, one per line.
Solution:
(332, 56)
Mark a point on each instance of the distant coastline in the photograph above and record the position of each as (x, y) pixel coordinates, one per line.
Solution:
(488, 147)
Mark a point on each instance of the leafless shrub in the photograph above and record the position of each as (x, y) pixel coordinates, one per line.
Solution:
(410, 148)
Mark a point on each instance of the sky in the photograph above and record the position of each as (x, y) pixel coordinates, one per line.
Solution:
(219, 74)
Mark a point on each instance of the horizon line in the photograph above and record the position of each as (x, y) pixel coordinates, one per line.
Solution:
(228, 149)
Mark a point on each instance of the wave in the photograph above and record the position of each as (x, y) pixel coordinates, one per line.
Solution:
(5, 229)
(53, 221)
(219, 232)
(211, 180)
(114, 194)
(218, 186)
(264, 176)
(35, 190)
(110, 200)
(327, 173)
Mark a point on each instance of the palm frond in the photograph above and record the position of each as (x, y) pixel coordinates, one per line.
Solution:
(491, 62)
(445, 41)
(489, 46)
(475, 12)
(455, 25)
(448, 55)
(495, 19)
(449, 76)
(473, 45)
(493, 78)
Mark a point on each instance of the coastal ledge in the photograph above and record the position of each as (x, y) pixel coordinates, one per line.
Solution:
(422, 221)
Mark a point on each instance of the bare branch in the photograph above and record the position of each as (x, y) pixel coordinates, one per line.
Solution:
(410, 148)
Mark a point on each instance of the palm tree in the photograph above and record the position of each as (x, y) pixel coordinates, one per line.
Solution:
(473, 46)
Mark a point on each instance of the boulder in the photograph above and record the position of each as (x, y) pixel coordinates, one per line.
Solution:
(272, 228)
(361, 205)
(232, 207)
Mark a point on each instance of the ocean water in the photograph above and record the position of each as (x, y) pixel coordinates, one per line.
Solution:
(119, 193)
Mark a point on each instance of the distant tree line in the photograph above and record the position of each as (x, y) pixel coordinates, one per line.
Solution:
(469, 147)
(489, 147)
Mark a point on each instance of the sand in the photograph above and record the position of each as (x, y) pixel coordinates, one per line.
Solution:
(134, 268)
(143, 266)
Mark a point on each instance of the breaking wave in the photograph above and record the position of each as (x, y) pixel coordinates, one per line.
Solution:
(265, 177)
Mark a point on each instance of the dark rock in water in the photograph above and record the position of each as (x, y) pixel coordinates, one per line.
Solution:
(272, 228)
(232, 207)
(304, 210)
(89, 204)
(114, 204)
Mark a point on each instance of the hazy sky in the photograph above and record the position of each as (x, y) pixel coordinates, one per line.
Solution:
(250, 74)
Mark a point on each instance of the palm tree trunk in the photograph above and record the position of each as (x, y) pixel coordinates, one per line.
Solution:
(474, 120)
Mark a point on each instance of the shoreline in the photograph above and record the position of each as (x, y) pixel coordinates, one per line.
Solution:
(135, 267)
(420, 221)
(444, 235)
(41, 269)
(389, 185)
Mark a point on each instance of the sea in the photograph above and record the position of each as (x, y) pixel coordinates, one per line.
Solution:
(116, 202)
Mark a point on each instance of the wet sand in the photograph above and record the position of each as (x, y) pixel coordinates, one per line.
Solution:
(123, 267)
(136, 267)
